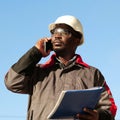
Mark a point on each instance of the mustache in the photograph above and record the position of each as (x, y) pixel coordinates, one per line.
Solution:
(57, 40)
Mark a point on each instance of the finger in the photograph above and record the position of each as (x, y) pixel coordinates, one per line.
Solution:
(90, 111)
(47, 39)
(93, 113)
(83, 117)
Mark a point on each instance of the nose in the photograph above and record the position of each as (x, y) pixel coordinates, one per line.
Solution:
(57, 35)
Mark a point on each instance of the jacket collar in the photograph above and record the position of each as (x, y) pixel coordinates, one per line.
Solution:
(51, 61)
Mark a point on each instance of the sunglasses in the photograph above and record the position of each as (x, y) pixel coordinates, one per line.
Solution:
(60, 31)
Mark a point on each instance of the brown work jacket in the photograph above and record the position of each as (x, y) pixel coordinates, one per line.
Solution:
(44, 83)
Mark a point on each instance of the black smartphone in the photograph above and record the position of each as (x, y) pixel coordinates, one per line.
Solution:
(48, 46)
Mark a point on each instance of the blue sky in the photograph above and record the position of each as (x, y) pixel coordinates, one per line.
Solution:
(23, 22)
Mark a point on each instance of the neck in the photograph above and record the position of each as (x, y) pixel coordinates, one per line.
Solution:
(65, 59)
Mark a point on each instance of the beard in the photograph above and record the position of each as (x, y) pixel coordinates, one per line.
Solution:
(58, 45)
(59, 50)
(62, 51)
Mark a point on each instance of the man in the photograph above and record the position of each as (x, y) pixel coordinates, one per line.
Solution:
(65, 70)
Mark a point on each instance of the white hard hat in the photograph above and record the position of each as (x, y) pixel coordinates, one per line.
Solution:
(70, 21)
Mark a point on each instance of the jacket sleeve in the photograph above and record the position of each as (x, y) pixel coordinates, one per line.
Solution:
(106, 106)
(18, 77)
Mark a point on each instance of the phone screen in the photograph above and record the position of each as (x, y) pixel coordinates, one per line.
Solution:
(48, 46)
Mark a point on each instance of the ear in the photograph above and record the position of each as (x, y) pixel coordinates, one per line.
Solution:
(77, 41)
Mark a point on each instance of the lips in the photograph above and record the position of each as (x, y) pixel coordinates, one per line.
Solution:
(57, 42)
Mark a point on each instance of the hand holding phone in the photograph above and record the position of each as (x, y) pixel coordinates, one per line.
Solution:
(44, 45)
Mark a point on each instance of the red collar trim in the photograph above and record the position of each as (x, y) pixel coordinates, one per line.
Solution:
(51, 61)
(80, 61)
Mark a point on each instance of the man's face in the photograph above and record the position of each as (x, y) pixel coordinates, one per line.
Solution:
(63, 40)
